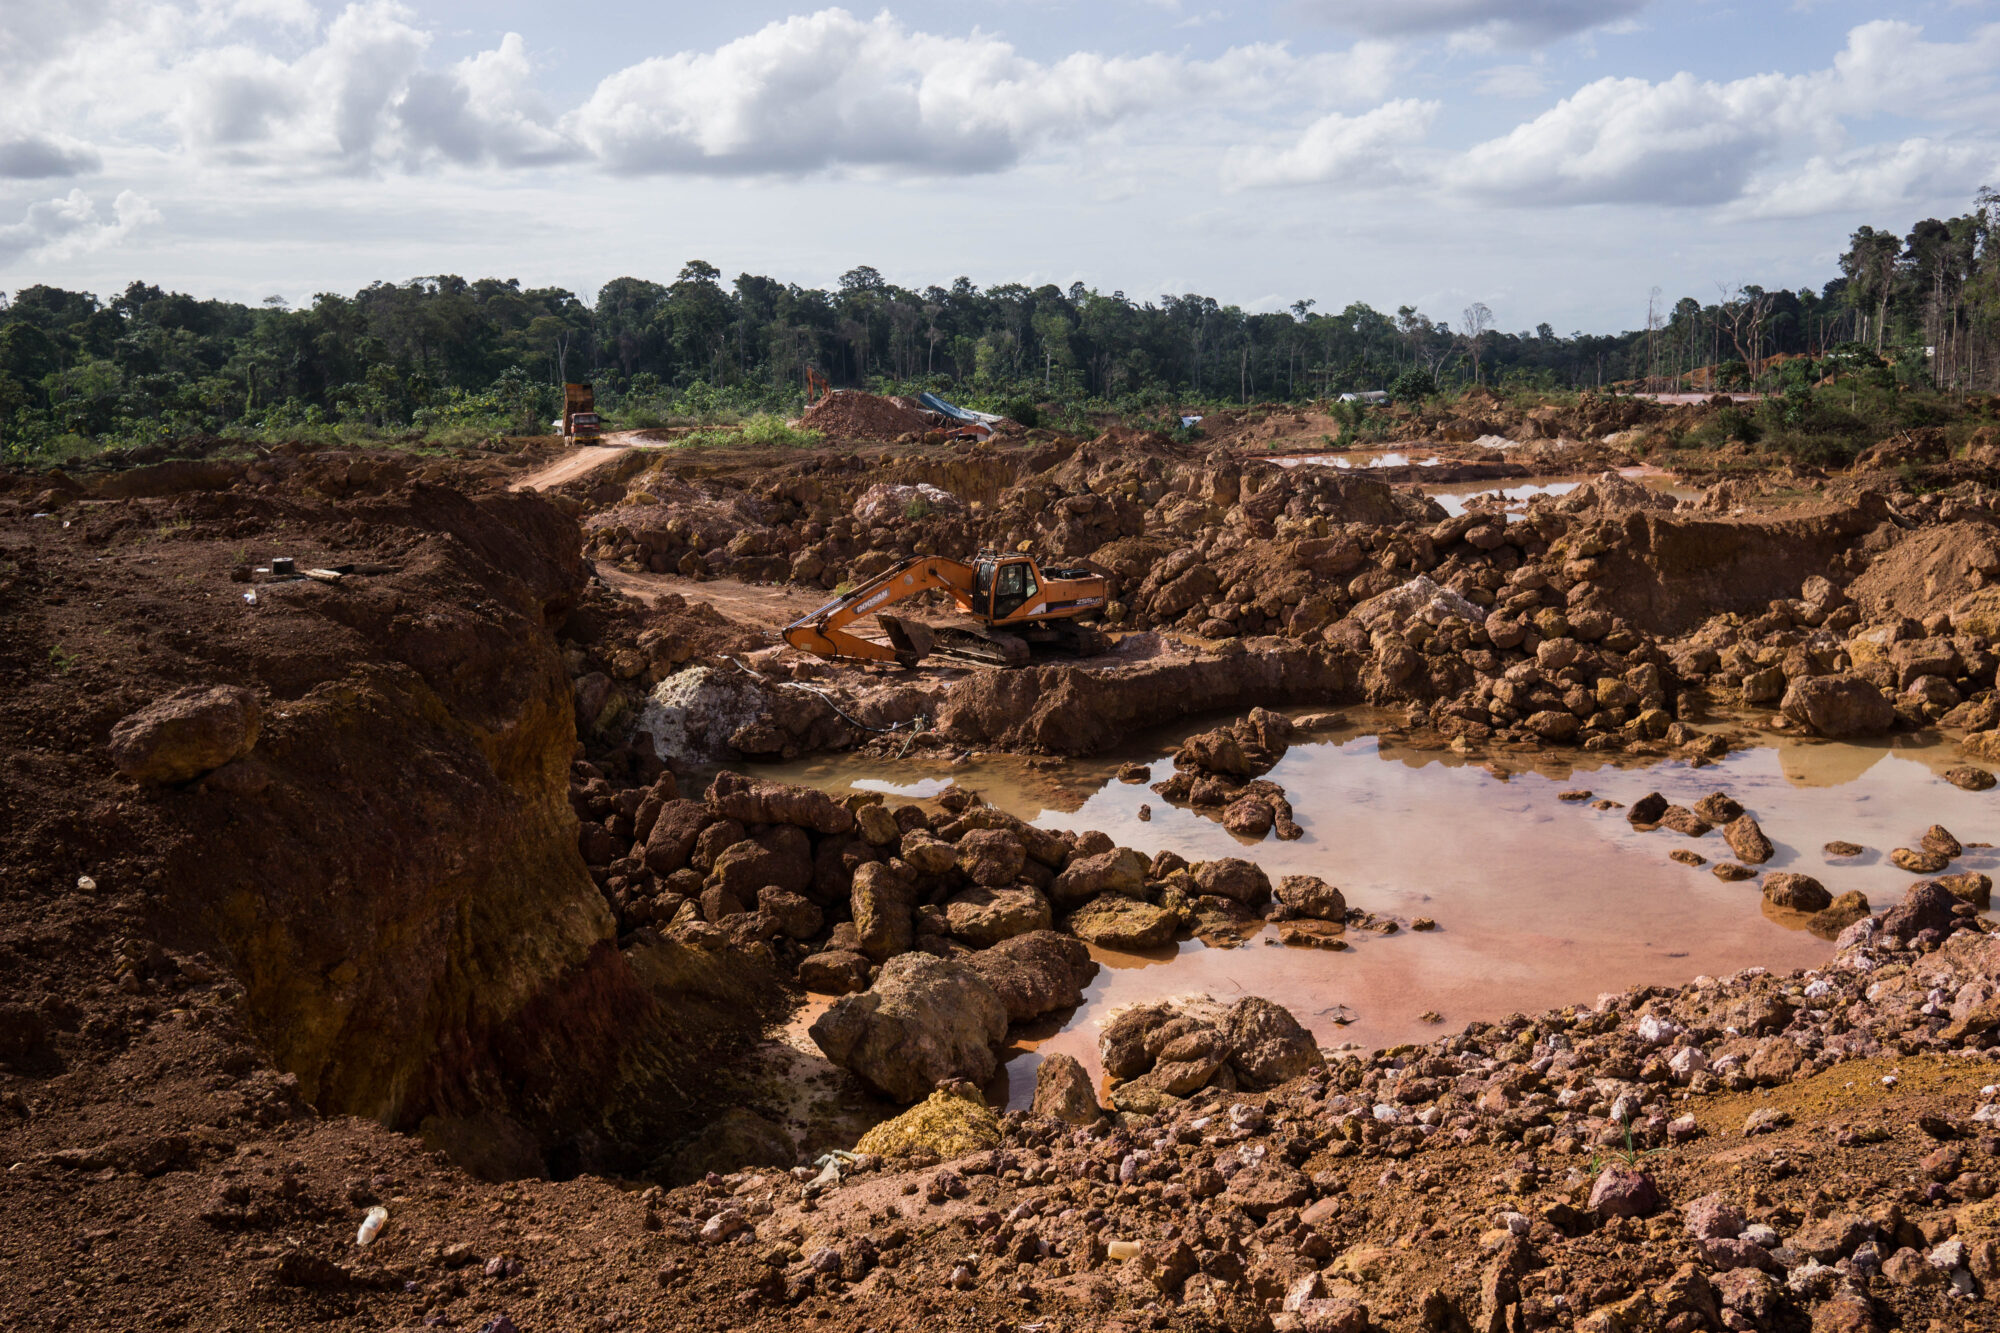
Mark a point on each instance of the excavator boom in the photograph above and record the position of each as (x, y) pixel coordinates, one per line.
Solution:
(825, 631)
(1011, 597)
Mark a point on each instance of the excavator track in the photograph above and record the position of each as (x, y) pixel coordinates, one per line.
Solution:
(993, 647)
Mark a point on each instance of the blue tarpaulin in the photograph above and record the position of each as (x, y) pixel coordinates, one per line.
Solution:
(957, 413)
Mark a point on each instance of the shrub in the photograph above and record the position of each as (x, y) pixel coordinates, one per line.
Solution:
(1024, 411)
(1413, 385)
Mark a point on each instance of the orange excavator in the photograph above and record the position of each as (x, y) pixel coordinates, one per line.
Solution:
(1009, 602)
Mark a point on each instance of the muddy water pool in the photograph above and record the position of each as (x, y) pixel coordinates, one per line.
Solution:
(1539, 902)
(1456, 497)
(1355, 458)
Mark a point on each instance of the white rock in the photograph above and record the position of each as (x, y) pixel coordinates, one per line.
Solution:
(1950, 1256)
(1421, 599)
(1687, 1061)
(1655, 1030)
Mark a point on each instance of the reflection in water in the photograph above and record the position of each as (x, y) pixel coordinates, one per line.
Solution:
(921, 789)
(1539, 902)
(1456, 497)
(1359, 458)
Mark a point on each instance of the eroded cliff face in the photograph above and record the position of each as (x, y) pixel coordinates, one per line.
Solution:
(1666, 573)
(393, 871)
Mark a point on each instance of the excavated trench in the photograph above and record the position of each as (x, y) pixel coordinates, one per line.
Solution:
(1538, 901)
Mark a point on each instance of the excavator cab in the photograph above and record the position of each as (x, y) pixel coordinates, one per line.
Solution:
(1014, 586)
(1002, 587)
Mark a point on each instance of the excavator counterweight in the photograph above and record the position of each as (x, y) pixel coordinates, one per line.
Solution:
(1009, 602)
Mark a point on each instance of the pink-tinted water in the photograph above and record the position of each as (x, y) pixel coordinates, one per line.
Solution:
(1539, 902)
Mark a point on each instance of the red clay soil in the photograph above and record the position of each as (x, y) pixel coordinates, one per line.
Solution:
(365, 965)
(849, 414)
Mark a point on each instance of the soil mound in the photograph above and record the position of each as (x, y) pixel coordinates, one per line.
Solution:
(849, 414)
(1931, 570)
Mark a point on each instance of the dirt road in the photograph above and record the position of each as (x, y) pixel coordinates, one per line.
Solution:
(581, 461)
(770, 604)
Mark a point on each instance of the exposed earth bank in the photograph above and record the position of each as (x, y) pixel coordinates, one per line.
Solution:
(408, 883)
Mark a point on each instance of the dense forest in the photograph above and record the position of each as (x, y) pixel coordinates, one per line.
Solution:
(441, 354)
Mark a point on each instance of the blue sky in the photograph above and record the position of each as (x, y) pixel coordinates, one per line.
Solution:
(1556, 159)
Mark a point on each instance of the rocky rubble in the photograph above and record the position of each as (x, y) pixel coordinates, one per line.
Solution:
(1600, 619)
(1628, 1164)
(1221, 768)
(941, 924)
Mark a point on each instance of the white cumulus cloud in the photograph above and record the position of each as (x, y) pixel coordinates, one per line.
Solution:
(1690, 141)
(1883, 177)
(71, 225)
(830, 90)
(1369, 149)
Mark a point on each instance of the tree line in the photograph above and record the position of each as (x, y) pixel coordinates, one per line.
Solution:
(438, 353)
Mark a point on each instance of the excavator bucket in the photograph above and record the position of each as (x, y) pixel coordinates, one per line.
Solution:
(912, 639)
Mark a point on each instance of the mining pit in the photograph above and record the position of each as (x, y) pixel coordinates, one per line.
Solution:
(1540, 881)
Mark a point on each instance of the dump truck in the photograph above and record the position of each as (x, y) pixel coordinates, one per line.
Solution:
(1009, 603)
(579, 418)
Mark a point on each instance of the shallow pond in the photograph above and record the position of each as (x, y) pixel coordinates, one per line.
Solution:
(1539, 902)
(1456, 497)
(1357, 458)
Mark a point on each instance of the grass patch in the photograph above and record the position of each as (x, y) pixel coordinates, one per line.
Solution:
(766, 429)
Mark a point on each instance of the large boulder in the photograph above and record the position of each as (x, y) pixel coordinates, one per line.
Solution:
(983, 917)
(992, 857)
(1266, 1044)
(886, 504)
(882, 905)
(1747, 840)
(1234, 878)
(1036, 973)
(1251, 745)
(1927, 905)
(925, 1021)
(1312, 897)
(1621, 1190)
(1120, 870)
(1063, 1091)
(1838, 705)
(834, 972)
(1419, 600)
(1114, 921)
(768, 859)
(186, 734)
(1801, 893)
(927, 853)
(1048, 847)
(672, 838)
(943, 1126)
(1249, 817)
(733, 796)
(1173, 1049)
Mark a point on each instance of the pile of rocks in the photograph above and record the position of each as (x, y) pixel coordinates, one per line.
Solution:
(945, 922)
(1502, 1177)
(1222, 768)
